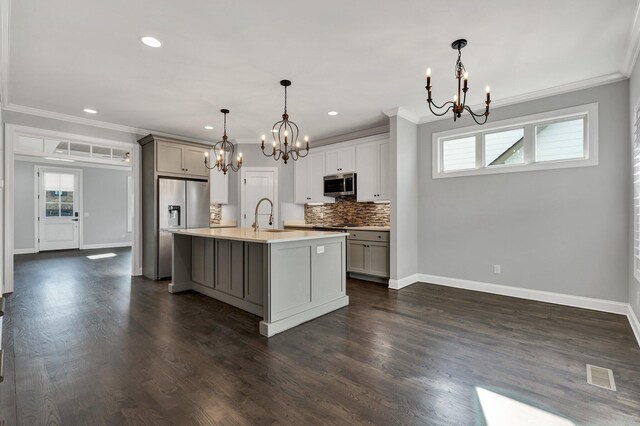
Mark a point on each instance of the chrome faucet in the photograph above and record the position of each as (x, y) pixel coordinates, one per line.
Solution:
(255, 222)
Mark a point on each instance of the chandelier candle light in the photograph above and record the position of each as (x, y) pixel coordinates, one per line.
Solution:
(458, 105)
(223, 151)
(285, 136)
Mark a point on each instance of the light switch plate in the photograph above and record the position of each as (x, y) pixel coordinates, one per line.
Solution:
(86, 214)
(320, 249)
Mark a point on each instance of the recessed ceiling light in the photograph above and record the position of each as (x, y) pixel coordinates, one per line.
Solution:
(333, 113)
(208, 127)
(151, 41)
(90, 111)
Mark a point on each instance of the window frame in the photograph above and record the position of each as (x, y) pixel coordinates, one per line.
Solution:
(528, 123)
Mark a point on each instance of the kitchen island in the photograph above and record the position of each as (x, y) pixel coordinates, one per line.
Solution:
(287, 277)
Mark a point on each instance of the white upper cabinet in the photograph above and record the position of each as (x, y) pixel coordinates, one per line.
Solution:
(309, 184)
(341, 160)
(373, 171)
(368, 157)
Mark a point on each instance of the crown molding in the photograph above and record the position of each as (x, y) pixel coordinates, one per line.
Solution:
(544, 93)
(401, 112)
(633, 45)
(94, 123)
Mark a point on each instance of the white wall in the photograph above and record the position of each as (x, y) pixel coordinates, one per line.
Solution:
(104, 199)
(404, 200)
(634, 100)
(564, 230)
(253, 157)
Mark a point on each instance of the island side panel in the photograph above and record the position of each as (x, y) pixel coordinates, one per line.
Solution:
(181, 264)
(306, 280)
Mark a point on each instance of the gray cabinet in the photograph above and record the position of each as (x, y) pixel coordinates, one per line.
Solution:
(229, 267)
(368, 253)
(254, 273)
(181, 159)
(202, 261)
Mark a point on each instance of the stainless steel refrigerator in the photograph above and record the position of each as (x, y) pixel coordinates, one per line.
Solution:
(182, 204)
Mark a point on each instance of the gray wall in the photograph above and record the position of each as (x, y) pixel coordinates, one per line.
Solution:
(253, 157)
(104, 198)
(634, 99)
(563, 230)
(404, 197)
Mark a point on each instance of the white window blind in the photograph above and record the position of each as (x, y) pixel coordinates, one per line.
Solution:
(636, 194)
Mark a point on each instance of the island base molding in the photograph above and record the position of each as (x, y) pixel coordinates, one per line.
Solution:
(269, 329)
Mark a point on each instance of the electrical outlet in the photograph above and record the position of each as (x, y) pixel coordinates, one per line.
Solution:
(496, 269)
(320, 249)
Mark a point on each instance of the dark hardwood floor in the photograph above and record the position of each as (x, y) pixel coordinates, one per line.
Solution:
(87, 344)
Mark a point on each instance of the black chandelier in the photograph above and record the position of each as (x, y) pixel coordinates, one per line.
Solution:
(285, 136)
(223, 151)
(458, 105)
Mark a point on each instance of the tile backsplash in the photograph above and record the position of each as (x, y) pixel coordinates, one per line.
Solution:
(215, 214)
(348, 210)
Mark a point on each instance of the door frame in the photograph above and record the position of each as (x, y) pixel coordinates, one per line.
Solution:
(11, 134)
(276, 204)
(37, 168)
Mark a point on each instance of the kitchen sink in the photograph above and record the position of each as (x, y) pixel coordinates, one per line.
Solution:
(276, 230)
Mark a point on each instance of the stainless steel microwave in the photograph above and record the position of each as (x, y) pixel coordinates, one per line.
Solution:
(340, 185)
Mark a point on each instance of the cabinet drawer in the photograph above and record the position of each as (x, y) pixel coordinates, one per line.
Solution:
(382, 236)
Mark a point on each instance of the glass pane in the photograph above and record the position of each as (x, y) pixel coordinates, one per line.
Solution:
(101, 152)
(52, 196)
(52, 209)
(504, 148)
(121, 155)
(66, 197)
(52, 146)
(459, 154)
(80, 150)
(560, 141)
(66, 209)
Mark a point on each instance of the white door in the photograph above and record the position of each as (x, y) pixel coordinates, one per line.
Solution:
(59, 202)
(258, 183)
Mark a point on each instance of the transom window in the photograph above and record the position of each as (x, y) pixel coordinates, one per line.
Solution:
(563, 138)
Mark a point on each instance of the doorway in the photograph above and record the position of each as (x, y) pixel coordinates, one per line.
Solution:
(257, 183)
(59, 207)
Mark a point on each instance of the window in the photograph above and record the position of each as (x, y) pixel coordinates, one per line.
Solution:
(636, 194)
(59, 190)
(555, 139)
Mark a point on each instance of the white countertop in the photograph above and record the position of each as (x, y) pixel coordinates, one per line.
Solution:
(300, 224)
(248, 234)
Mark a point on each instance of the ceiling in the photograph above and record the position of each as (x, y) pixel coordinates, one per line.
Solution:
(357, 57)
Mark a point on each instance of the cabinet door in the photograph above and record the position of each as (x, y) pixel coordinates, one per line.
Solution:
(331, 162)
(377, 259)
(316, 179)
(193, 161)
(197, 260)
(169, 158)
(254, 272)
(301, 180)
(356, 257)
(347, 160)
(209, 262)
(219, 187)
(229, 267)
(368, 171)
(385, 173)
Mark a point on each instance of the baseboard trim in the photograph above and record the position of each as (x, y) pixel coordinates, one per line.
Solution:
(24, 251)
(525, 293)
(403, 282)
(635, 324)
(104, 245)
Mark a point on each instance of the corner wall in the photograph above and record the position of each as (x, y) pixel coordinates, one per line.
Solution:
(634, 101)
(562, 231)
